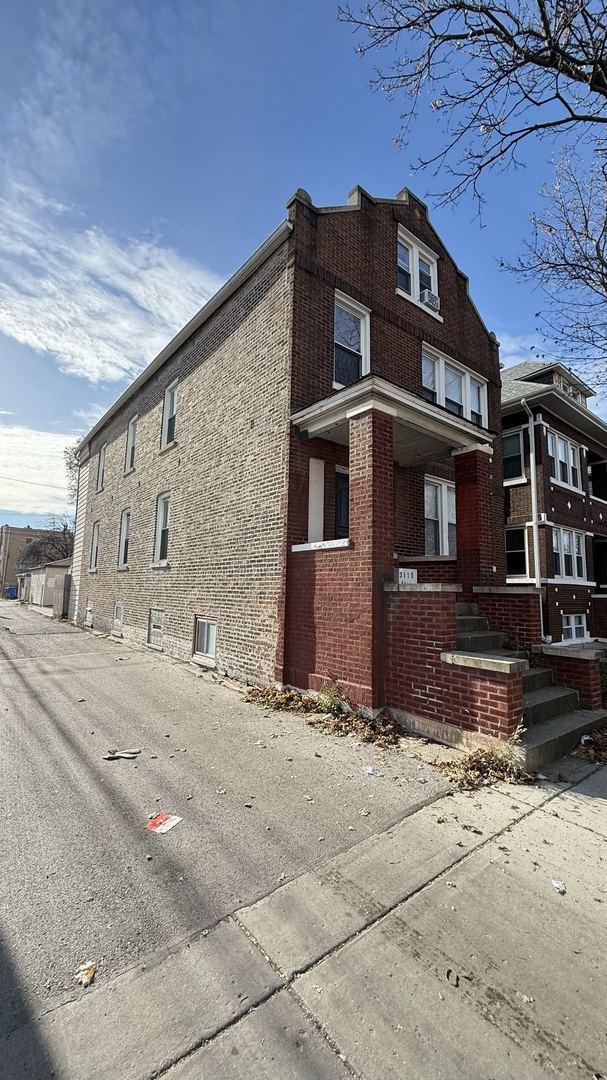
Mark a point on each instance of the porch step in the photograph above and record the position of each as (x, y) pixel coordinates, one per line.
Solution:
(554, 738)
(547, 702)
(535, 678)
(462, 607)
(482, 641)
(468, 623)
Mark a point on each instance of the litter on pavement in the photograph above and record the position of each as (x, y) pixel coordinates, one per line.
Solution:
(163, 822)
(370, 770)
(560, 887)
(86, 973)
(113, 755)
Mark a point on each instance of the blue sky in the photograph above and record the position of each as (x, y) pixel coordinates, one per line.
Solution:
(148, 149)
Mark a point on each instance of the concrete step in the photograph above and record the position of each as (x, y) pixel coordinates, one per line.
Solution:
(462, 607)
(481, 642)
(556, 737)
(546, 702)
(535, 678)
(468, 623)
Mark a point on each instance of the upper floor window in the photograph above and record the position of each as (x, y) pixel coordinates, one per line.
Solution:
(568, 388)
(351, 359)
(131, 439)
(564, 460)
(123, 545)
(512, 450)
(94, 547)
(169, 414)
(161, 542)
(454, 387)
(417, 272)
(101, 468)
(439, 517)
(569, 551)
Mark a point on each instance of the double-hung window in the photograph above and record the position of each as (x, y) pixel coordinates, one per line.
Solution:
(101, 468)
(512, 449)
(342, 503)
(439, 517)
(94, 559)
(161, 543)
(574, 627)
(131, 439)
(351, 359)
(417, 272)
(569, 550)
(123, 545)
(453, 386)
(564, 461)
(516, 552)
(169, 415)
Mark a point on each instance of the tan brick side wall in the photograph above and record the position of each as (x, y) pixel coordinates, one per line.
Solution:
(227, 479)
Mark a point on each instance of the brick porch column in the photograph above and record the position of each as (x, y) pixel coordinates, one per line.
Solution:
(372, 530)
(473, 511)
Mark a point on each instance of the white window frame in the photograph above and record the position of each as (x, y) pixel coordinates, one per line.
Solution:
(416, 248)
(124, 536)
(101, 467)
(364, 314)
(205, 657)
(443, 517)
(161, 499)
(575, 637)
(94, 550)
(576, 535)
(522, 478)
(570, 448)
(525, 575)
(440, 360)
(171, 390)
(131, 444)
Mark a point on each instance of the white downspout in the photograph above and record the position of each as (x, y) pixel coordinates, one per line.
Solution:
(534, 514)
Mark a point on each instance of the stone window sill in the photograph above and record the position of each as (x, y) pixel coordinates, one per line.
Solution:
(122, 568)
(322, 545)
(168, 446)
(160, 565)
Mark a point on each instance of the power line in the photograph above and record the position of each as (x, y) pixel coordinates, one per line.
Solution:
(34, 483)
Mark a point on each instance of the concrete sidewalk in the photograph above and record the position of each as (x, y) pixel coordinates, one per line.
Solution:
(437, 948)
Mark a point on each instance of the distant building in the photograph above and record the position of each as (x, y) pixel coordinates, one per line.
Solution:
(13, 540)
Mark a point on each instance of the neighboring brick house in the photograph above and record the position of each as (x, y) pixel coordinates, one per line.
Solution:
(331, 416)
(13, 542)
(570, 513)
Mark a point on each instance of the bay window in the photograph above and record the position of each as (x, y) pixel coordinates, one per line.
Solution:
(569, 550)
(564, 461)
(512, 450)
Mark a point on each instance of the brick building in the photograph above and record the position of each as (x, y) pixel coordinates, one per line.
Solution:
(307, 481)
(555, 482)
(13, 543)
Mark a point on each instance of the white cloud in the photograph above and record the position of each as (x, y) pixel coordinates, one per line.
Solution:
(7, 412)
(32, 472)
(87, 417)
(514, 348)
(103, 307)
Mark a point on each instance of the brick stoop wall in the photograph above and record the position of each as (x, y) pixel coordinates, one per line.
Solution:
(420, 625)
(578, 669)
(512, 610)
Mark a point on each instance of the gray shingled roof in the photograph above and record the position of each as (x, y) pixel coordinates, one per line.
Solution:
(514, 379)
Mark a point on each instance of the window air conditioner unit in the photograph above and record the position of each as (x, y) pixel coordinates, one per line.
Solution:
(430, 299)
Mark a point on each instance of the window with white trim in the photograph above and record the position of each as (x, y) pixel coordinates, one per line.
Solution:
(439, 517)
(574, 628)
(94, 547)
(169, 415)
(454, 387)
(564, 460)
(101, 468)
(512, 452)
(351, 359)
(163, 517)
(205, 638)
(416, 271)
(569, 549)
(123, 543)
(131, 439)
(516, 552)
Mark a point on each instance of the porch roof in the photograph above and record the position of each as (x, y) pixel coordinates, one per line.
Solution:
(422, 431)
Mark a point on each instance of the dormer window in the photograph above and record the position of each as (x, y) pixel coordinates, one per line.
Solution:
(417, 273)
